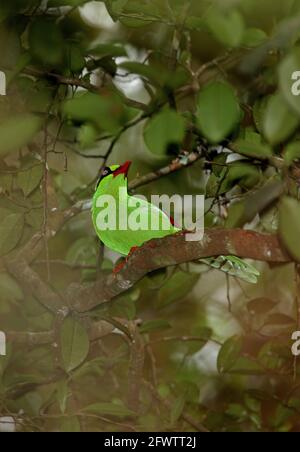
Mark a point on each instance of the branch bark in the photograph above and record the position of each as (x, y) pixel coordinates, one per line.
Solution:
(174, 250)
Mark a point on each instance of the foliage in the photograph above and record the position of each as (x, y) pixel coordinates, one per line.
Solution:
(90, 83)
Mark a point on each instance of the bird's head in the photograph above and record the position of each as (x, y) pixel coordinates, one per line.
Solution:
(116, 174)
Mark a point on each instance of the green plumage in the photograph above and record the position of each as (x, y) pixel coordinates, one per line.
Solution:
(122, 241)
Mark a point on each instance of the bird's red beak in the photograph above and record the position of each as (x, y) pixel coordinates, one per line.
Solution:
(123, 169)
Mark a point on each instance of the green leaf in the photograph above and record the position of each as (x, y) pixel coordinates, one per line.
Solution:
(237, 411)
(166, 128)
(74, 59)
(254, 37)
(74, 342)
(123, 307)
(177, 288)
(292, 152)
(244, 174)
(177, 409)
(115, 7)
(244, 211)
(29, 180)
(279, 121)
(73, 3)
(259, 109)
(11, 231)
(227, 28)
(70, 424)
(289, 225)
(106, 112)
(9, 289)
(229, 353)
(109, 409)
(158, 74)
(218, 111)
(17, 132)
(154, 325)
(62, 391)
(144, 70)
(246, 366)
(253, 149)
(290, 65)
(46, 42)
(87, 135)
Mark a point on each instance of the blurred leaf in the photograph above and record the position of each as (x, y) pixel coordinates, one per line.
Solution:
(253, 149)
(74, 59)
(87, 135)
(144, 70)
(279, 319)
(115, 7)
(279, 121)
(260, 306)
(62, 391)
(176, 288)
(244, 211)
(93, 367)
(9, 289)
(229, 353)
(29, 180)
(58, 3)
(154, 325)
(259, 110)
(177, 409)
(291, 152)
(227, 28)
(289, 65)
(70, 424)
(18, 131)
(237, 411)
(46, 41)
(254, 37)
(109, 409)
(244, 174)
(218, 111)
(123, 307)
(246, 366)
(74, 342)
(107, 112)
(289, 225)
(157, 74)
(269, 357)
(11, 231)
(164, 129)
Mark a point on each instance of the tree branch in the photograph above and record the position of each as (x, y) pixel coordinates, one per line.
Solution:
(173, 250)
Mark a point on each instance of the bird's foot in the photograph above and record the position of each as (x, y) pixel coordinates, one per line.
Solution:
(132, 250)
(122, 264)
(119, 267)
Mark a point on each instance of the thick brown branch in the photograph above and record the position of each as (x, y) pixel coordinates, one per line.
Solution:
(175, 250)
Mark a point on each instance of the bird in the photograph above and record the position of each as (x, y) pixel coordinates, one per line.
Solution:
(124, 240)
(112, 186)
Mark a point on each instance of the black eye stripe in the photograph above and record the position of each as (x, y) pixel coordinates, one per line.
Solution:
(104, 173)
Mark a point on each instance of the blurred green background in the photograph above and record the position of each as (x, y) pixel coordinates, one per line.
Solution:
(97, 83)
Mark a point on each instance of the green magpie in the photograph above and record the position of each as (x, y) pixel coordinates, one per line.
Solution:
(123, 240)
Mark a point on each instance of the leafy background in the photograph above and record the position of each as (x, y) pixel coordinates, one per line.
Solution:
(101, 82)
